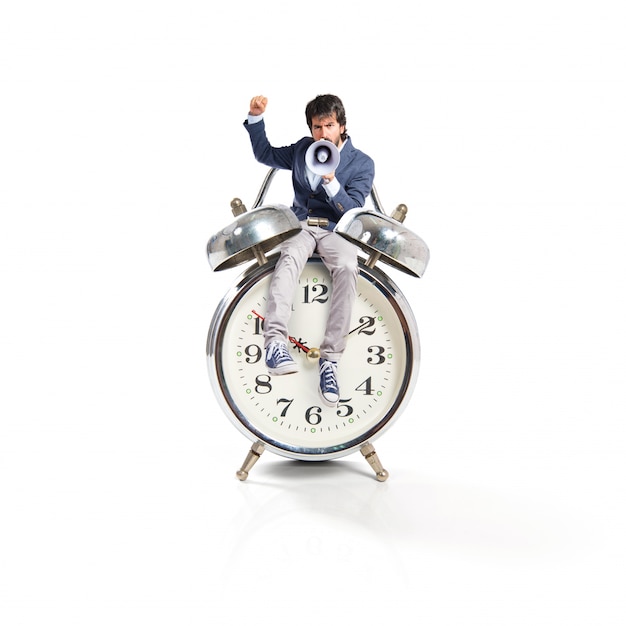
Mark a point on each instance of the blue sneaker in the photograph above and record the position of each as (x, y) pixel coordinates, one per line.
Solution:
(329, 387)
(278, 360)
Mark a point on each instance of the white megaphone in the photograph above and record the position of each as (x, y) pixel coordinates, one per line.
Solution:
(322, 157)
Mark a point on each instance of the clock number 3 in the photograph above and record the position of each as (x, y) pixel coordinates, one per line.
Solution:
(378, 358)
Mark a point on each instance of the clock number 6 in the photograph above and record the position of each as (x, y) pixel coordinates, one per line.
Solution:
(313, 415)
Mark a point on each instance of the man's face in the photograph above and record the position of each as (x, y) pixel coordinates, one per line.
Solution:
(327, 128)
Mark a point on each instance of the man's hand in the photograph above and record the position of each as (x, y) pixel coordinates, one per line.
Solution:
(257, 105)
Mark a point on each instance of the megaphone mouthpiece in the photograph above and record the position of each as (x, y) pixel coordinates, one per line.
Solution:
(322, 154)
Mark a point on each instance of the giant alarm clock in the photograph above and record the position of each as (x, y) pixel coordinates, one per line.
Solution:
(378, 369)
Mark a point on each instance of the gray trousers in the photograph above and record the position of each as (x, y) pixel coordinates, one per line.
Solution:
(340, 258)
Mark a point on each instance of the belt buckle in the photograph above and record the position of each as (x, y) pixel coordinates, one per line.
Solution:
(322, 222)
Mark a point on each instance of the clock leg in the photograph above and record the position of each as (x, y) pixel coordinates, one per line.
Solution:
(372, 458)
(253, 456)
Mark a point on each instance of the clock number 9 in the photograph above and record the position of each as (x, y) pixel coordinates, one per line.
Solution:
(253, 353)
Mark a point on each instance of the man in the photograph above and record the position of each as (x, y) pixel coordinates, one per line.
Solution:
(315, 196)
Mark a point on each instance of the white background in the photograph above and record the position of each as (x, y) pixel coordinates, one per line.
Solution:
(501, 125)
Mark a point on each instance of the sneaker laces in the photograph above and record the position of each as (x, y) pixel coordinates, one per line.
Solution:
(328, 371)
(278, 350)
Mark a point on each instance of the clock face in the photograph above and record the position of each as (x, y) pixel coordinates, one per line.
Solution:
(376, 373)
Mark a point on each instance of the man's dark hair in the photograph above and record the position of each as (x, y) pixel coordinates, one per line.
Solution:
(327, 106)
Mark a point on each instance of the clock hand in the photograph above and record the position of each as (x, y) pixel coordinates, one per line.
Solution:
(312, 353)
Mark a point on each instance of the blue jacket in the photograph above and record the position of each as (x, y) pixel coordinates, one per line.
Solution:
(355, 173)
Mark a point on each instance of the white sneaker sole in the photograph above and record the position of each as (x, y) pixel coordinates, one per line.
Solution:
(290, 368)
(326, 401)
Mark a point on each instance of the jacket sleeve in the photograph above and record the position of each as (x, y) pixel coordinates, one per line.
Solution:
(264, 152)
(354, 191)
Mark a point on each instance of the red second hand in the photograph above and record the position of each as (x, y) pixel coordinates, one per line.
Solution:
(292, 339)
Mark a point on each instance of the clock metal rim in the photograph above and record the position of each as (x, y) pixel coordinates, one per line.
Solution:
(377, 278)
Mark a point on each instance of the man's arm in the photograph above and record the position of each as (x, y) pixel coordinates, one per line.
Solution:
(258, 105)
(264, 152)
(352, 193)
